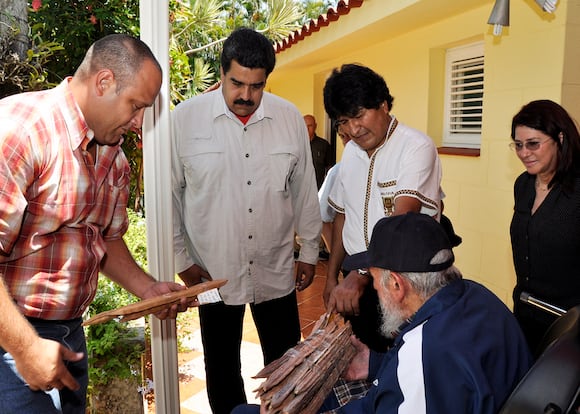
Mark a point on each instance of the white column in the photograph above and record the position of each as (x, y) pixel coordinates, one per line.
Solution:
(154, 18)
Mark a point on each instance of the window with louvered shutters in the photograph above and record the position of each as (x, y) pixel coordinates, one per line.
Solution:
(464, 96)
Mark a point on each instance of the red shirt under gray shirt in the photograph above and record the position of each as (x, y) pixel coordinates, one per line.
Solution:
(56, 208)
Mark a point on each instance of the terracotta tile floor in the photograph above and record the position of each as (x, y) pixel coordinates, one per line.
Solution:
(192, 376)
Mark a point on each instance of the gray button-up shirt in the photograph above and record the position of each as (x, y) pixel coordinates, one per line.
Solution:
(240, 192)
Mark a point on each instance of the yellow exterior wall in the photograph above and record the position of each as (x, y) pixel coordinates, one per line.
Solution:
(535, 58)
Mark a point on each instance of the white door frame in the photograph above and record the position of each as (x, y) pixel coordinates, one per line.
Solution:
(154, 20)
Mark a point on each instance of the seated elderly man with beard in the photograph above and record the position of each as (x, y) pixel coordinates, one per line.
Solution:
(457, 348)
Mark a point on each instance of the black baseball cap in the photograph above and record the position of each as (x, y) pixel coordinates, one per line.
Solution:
(407, 243)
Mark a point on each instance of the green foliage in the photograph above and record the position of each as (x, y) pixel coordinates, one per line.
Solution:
(199, 27)
(136, 238)
(112, 353)
(28, 72)
(112, 347)
(77, 24)
(197, 31)
(283, 19)
(311, 9)
(133, 149)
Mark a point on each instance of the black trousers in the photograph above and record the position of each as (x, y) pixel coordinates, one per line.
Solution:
(278, 328)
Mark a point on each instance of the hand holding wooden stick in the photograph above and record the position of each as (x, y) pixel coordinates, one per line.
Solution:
(153, 305)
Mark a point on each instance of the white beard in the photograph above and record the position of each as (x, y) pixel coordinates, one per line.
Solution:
(392, 318)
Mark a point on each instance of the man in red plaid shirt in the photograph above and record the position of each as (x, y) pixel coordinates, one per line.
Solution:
(63, 194)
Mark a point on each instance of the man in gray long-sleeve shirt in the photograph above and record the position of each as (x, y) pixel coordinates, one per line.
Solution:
(243, 183)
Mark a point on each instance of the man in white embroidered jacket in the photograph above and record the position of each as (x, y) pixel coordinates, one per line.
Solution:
(387, 168)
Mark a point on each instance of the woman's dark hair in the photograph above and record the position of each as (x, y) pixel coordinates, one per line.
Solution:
(553, 120)
(353, 88)
(250, 49)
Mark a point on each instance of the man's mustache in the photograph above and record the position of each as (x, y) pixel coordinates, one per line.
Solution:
(244, 102)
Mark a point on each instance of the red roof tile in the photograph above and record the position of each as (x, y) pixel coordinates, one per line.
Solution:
(333, 14)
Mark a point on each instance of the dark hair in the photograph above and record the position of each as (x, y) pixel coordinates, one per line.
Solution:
(553, 120)
(122, 54)
(352, 88)
(250, 49)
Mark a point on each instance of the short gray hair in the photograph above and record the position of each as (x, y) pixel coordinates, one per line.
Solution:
(426, 284)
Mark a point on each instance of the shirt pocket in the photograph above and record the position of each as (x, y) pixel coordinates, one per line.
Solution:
(387, 191)
(111, 198)
(202, 160)
(282, 167)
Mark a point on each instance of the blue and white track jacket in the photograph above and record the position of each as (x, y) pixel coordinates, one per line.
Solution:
(462, 353)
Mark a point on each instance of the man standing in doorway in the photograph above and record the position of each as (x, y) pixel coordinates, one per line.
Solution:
(243, 184)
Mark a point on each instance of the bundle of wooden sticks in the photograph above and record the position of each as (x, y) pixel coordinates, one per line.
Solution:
(299, 381)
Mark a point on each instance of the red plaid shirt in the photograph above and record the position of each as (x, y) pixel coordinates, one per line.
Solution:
(56, 209)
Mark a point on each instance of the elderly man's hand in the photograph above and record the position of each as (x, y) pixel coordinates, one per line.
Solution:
(358, 368)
